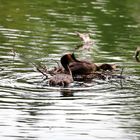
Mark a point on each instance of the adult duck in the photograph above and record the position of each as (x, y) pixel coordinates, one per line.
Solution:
(79, 67)
(84, 70)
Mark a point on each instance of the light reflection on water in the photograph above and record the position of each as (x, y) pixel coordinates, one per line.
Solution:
(89, 114)
(30, 109)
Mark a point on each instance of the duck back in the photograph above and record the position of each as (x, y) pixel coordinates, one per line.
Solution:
(82, 67)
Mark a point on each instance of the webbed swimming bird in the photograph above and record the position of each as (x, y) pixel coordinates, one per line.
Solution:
(72, 67)
(79, 67)
(63, 79)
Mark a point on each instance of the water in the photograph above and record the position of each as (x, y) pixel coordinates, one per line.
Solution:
(39, 31)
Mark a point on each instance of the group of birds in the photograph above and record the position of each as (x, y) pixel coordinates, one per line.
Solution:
(78, 70)
(73, 67)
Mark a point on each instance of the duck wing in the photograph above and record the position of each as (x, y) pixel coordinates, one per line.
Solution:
(82, 67)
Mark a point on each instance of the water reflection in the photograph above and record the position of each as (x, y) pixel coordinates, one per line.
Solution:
(66, 93)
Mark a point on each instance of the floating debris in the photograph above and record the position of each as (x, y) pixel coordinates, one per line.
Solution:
(87, 41)
(84, 37)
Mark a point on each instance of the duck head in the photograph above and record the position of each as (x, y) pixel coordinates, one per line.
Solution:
(66, 60)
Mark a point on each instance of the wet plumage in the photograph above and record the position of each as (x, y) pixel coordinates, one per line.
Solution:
(78, 67)
(63, 79)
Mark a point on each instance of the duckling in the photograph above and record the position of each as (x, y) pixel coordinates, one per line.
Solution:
(63, 79)
(105, 67)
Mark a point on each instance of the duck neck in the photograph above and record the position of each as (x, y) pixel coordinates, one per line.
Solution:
(74, 58)
(67, 69)
(65, 60)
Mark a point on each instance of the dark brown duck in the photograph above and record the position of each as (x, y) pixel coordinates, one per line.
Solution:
(79, 67)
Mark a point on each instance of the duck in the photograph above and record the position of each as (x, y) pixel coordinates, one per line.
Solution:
(107, 67)
(72, 68)
(81, 67)
(63, 79)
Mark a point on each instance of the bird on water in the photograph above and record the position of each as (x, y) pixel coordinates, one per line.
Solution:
(72, 67)
(63, 79)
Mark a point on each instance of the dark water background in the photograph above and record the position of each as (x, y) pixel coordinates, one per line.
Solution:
(38, 31)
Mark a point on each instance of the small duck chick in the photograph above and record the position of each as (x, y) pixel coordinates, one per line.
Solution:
(105, 67)
(63, 79)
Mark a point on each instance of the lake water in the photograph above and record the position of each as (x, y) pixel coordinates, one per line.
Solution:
(41, 32)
